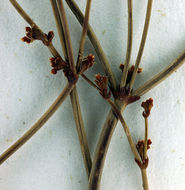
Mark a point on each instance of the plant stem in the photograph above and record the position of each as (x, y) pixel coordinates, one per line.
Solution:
(84, 32)
(142, 44)
(67, 36)
(102, 148)
(59, 27)
(144, 179)
(74, 98)
(27, 18)
(100, 53)
(146, 138)
(171, 68)
(126, 129)
(129, 45)
(81, 130)
(60, 99)
(90, 82)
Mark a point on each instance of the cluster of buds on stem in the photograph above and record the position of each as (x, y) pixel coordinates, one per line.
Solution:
(140, 148)
(130, 71)
(123, 94)
(86, 63)
(34, 33)
(147, 107)
(58, 64)
(102, 83)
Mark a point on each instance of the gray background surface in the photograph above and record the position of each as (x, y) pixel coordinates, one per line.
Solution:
(52, 160)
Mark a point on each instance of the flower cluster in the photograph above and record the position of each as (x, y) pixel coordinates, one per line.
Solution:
(86, 63)
(34, 33)
(130, 71)
(147, 107)
(102, 83)
(58, 64)
(140, 147)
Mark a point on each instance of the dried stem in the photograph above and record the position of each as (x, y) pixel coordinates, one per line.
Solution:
(59, 27)
(129, 45)
(81, 130)
(32, 23)
(179, 61)
(144, 179)
(90, 82)
(84, 32)
(101, 55)
(146, 138)
(126, 129)
(142, 44)
(74, 98)
(101, 150)
(67, 36)
(38, 124)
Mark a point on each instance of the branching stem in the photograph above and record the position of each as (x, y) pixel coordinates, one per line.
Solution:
(27, 18)
(94, 40)
(74, 98)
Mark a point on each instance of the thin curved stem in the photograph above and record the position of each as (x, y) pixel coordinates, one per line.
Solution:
(157, 79)
(84, 32)
(59, 27)
(81, 130)
(67, 36)
(142, 44)
(100, 53)
(129, 45)
(27, 18)
(21, 141)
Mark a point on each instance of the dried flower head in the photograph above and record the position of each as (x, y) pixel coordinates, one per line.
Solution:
(34, 33)
(140, 148)
(147, 107)
(123, 94)
(86, 63)
(102, 83)
(130, 71)
(58, 64)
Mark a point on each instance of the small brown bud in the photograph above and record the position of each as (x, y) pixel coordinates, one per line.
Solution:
(147, 107)
(102, 83)
(54, 71)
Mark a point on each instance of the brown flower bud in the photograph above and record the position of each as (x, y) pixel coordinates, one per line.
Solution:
(147, 107)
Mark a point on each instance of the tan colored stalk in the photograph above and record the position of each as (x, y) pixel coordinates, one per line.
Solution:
(146, 138)
(38, 124)
(81, 130)
(101, 150)
(144, 179)
(84, 32)
(142, 44)
(129, 45)
(171, 68)
(100, 53)
(74, 98)
(27, 18)
(126, 129)
(59, 27)
(67, 36)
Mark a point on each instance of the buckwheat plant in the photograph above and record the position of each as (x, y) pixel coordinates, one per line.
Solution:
(115, 87)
